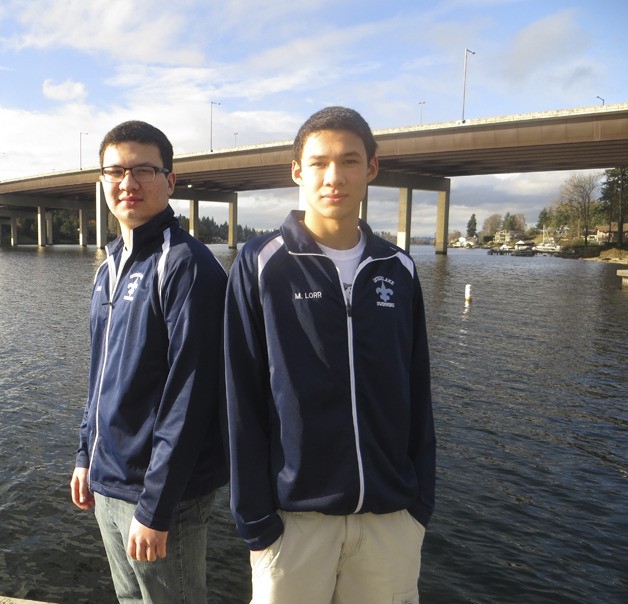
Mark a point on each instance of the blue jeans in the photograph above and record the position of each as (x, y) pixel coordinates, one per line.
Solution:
(180, 577)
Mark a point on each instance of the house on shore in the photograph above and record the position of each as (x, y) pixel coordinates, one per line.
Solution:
(602, 233)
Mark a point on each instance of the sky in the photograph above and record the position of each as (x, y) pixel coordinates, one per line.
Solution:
(243, 72)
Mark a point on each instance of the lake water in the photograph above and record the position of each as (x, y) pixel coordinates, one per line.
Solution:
(530, 386)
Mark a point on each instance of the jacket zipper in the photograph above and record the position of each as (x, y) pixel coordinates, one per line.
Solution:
(354, 401)
(113, 282)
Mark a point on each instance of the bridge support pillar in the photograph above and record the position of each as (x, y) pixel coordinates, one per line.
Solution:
(193, 228)
(83, 229)
(406, 185)
(41, 226)
(101, 217)
(49, 239)
(13, 231)
(364, 206)
(442, 221)
(232, 238)
(405, 218)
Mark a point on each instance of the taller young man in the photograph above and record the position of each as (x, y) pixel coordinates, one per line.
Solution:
(151, 452)
(330, 415)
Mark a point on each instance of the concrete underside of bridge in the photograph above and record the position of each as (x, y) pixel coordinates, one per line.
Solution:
(25, 206)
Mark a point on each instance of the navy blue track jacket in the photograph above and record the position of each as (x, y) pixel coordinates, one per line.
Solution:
(152, 431)
(329, 403)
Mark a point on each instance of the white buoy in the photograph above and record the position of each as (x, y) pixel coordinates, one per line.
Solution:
(467, 293)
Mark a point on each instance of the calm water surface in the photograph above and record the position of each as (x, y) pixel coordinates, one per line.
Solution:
(530, 395)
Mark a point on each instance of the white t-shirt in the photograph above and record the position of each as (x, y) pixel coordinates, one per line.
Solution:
(346, 262)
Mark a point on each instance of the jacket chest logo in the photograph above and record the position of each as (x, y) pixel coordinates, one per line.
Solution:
(132, 285)
(384, 290)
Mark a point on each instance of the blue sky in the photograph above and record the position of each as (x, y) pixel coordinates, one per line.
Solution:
(68, 66)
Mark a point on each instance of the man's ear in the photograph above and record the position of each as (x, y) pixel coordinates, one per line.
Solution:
(296, 172)
(372, 169)
(172, 179)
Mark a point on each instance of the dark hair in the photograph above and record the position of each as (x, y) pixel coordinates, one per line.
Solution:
(335, 118)
(138, 132)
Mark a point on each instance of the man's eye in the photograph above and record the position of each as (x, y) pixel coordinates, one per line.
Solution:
(142, 171)
(115, 172)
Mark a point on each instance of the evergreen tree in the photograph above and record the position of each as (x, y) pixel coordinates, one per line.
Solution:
(509, 223)
(472, 226)
(613, 198)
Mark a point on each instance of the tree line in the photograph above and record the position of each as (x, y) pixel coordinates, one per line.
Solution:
(65, 228)
(209, 231)
(585, 201)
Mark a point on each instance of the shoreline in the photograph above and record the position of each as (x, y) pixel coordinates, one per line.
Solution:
(622, 261)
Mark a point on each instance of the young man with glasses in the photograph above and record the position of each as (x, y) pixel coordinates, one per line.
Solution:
(328, 390)
(151, 451)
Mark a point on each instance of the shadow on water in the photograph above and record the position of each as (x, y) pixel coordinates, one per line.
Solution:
(530, 398)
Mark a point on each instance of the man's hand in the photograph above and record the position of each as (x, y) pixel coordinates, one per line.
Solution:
(82, 497)
(146, 544)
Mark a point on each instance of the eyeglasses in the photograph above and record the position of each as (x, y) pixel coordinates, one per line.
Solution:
(140, 173)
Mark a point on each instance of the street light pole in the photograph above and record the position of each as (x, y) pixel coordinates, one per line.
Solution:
(421, 103)
(464, 79)
(211, 125)
(235, 139)
(601, 99)
(81, 148)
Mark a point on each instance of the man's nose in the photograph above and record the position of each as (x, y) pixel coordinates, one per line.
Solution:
(333, 174)
(128, 182)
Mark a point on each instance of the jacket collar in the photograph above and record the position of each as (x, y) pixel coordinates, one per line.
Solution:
(146, 232)
(298, 240)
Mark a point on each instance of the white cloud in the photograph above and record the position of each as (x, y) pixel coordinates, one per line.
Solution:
(552, 54)
(116, 28)
(65, 91)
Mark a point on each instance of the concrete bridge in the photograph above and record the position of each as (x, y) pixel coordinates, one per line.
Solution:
(420, 157)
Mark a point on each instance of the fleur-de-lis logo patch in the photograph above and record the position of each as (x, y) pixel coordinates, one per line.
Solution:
(384, 291)
(132, 285)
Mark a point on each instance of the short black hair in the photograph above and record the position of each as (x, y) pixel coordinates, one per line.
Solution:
(138, 132)
(335, 118)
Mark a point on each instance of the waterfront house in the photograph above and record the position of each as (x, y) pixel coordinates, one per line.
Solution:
(602, 233)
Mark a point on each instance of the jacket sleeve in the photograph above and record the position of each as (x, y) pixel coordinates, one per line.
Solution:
(249, 403)
(82, 453)
(192, 306)
(422, 444)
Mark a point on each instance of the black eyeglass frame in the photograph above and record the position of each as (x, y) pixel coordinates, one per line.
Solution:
(156, 170)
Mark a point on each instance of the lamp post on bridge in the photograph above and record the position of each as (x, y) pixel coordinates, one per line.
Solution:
(211, 125)
(421, 103)
(601, 99)
(464, 79)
